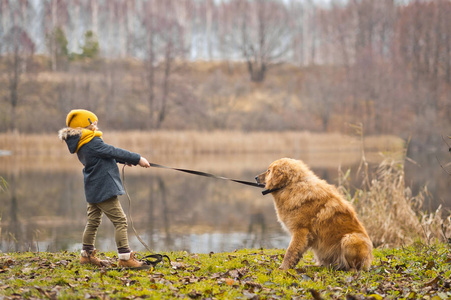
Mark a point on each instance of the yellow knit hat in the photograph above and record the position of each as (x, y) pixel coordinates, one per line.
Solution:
(80, 118)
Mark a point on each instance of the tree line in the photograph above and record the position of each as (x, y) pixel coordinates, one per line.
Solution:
(384, 63)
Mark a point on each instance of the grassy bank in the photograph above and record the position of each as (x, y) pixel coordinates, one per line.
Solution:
(415, 272)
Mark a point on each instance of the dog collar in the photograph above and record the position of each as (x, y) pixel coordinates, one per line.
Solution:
(265, 192)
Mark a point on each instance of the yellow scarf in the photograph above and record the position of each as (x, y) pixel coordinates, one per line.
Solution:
(86, 136)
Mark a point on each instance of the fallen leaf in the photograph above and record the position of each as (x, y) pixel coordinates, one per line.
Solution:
(250, 295)
(42, 292)
(432, 282)
(245, 262)
(306, 277)
(430, 265)
(216, 275)
(157, 275)
(194, 294)
(178, 265)
(252, 285)
(375, 297)
(315, 294)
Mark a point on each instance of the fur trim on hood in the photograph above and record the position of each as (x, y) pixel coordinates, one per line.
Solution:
(72, 137)
(77, 137)
(67, 132)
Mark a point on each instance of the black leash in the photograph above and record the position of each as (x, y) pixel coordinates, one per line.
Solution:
(157, 258)
(254, 184)
(154, 259)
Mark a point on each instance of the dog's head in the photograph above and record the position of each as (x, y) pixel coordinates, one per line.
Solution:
(279, 174)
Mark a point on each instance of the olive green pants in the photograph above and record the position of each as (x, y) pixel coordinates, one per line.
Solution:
(113, 210)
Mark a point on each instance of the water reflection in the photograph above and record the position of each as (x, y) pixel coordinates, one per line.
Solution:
(44, 207)
(424, 170)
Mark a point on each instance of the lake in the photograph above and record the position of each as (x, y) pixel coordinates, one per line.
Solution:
(43, 208)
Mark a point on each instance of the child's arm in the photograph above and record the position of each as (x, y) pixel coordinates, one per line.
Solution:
(100, 149)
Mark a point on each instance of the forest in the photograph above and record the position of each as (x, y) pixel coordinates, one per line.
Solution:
(246, 65)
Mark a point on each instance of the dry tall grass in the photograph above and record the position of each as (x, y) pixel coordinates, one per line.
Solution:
(210, 151)
(391, 214)
(205, 142)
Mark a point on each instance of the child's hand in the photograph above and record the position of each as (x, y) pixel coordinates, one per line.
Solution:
(144, 163)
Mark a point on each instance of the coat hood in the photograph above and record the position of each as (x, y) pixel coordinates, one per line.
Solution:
(71, 136)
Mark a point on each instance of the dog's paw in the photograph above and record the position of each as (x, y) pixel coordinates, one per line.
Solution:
(284, 267)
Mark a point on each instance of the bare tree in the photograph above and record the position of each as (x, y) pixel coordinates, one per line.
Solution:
(130, 12)
(336, 25)
(76, 23)
(5, 16)
(149, 24)
(297, 19)
(209, 9)
(324, 93)
(424, 48)
(184, 11)
(446, 39)
(20, 49)
(314, 36)
(261, 34)
(172, 47)
(95, 16)
(56, 15)
(15, 13)
(164, 43)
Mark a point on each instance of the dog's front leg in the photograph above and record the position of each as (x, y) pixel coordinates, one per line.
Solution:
(298, 245)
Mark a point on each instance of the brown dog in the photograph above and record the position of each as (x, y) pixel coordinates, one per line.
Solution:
(317, 217)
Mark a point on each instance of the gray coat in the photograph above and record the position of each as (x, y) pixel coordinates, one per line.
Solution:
(101, 173)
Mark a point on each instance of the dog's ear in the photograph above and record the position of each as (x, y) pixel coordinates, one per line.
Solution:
(278, 177)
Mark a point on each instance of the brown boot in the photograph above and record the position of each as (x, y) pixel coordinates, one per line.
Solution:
(89, 257)
(128, 260)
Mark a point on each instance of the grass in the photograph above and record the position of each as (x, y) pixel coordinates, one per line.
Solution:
(3, 185)
(417, 271)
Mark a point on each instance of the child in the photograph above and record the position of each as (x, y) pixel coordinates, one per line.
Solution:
(102, 184)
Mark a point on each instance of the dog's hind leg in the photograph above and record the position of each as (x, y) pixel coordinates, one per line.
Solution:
(297, 247)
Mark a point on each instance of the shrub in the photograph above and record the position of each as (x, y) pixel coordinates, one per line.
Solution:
(391, 214)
